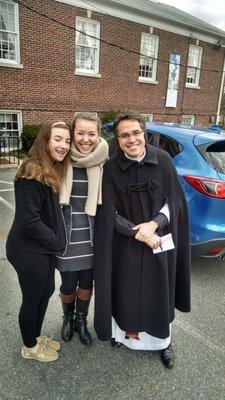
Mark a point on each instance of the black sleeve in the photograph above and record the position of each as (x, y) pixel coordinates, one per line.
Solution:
(30, 196)
(161, 220)
(124, 226)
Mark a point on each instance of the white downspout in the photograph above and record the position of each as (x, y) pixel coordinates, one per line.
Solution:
(221, 94)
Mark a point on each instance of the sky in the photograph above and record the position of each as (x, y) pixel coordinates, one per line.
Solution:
(212, 11)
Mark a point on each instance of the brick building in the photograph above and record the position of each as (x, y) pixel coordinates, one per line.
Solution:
(61, 57)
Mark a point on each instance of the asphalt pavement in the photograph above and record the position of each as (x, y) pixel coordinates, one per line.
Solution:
(102, 372)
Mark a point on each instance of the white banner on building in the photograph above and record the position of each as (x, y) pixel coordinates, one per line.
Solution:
(173, 80)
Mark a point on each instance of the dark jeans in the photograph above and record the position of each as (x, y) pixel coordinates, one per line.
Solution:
(70, 280)
(36, 274)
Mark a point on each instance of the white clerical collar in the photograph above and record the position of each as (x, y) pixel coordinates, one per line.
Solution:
(138, 159)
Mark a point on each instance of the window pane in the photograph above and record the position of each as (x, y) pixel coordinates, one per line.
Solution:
(85, 58)
(7, 46)
(146, 67)
(7, 17)
(87, 46)
(8, 34)
(9, 124)
(3, 6)
(84, 39)
(192, 75)
(194, 56)
(149, 47)
(194, 62)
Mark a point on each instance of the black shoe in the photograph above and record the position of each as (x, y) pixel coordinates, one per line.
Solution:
(68, 320)
(115, 344)
(80, 326)
(167, 357)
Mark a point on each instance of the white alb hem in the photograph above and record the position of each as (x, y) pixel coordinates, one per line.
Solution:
(145, 342)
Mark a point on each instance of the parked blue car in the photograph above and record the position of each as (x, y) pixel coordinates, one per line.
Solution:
(199, 157)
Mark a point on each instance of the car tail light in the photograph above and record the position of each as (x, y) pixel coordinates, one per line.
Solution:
(214, 251)
(210, 187)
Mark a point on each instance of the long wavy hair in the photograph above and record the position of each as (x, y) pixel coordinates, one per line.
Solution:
(39, 163)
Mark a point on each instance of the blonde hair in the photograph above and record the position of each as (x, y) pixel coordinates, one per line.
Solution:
(88, 116)
(39, 164)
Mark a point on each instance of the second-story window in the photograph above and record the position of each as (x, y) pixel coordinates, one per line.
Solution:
(9, 42)
(194, 65)
(87, 46)
(148, 58)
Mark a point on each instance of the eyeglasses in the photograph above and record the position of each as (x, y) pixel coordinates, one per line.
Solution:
(125, 136)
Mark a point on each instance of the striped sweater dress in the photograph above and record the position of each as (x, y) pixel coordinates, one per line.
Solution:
(79, 255)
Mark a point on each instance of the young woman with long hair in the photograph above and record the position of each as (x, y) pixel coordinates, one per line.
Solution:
(38, 234)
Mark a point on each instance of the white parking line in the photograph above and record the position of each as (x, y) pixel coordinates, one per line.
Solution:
(6, 190)
(6, 203)
(7, 182)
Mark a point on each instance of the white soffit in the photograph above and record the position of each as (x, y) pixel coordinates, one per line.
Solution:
(125, 10)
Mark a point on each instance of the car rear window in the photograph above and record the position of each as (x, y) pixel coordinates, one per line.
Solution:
(214, 154)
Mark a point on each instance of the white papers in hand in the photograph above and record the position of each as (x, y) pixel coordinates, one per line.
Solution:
(166, 244)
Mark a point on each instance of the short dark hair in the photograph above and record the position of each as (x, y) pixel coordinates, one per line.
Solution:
(129, 115)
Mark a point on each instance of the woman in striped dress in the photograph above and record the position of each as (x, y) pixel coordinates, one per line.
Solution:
(79, 196)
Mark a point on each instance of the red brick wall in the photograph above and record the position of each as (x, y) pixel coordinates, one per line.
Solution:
(47, 88)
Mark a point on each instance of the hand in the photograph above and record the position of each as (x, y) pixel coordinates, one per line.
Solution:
(145, 231)
(154, 242)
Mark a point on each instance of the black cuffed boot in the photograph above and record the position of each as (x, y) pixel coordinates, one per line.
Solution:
(68, 317)
(80, 322)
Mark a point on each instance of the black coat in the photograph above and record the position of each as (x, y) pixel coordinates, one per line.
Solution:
(138, 288)
(38, 224)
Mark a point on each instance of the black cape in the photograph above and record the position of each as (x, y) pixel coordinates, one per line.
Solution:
(138, 288)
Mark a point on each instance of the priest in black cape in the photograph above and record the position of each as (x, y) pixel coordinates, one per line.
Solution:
(138, 284)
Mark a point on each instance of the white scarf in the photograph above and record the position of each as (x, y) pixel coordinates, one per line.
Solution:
(93, 162)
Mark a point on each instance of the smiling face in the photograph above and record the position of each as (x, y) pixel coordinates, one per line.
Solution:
(86, 136)
(59, 143)
(131, 138)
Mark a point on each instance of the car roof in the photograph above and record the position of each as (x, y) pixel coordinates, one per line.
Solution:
(178, 131)
(181, 130)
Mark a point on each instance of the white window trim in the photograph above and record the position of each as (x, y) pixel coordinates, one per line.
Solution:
(89, 74)
(192, 85)
(14, 63)
(19, 113)
(152, 80)
(141, 79)
(84, 72)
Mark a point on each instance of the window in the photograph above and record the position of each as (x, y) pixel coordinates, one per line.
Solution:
(148, 117)
(148, 64)
(194, 65)
(214, 154)
(10, 123)
(165, 143)
(10, 126)
(188, 120)
(87, 47)
(9, 33)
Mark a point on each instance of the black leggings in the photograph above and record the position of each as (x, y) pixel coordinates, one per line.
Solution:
(70, 280)
(36, 274)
